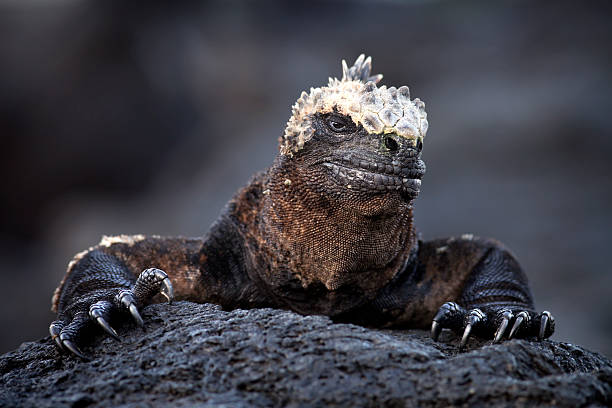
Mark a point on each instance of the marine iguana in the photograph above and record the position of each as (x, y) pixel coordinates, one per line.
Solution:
(327, 229)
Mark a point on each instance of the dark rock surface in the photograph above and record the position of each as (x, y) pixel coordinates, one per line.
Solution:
(198, 355)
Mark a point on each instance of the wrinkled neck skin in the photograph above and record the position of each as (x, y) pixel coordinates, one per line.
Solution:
(329, 249)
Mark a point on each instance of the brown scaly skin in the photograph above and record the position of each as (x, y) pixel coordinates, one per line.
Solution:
(309, 236)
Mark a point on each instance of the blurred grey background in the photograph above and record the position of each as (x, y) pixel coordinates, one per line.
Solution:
(120, 118)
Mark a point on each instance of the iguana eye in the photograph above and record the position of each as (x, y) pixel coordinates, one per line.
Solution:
(336, 124)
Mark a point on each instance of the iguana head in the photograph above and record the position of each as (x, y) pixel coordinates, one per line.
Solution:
(335, 210)
(364, 138)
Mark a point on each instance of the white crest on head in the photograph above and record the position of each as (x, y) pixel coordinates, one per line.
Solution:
(377, 109)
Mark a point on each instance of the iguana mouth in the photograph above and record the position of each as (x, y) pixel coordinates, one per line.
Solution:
(367, 175)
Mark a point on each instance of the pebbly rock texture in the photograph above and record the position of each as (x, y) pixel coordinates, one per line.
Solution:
(197, 355)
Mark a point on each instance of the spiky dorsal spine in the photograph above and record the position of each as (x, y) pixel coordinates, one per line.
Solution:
(360, 71)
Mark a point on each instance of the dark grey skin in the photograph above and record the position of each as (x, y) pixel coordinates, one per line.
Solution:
(312, 235)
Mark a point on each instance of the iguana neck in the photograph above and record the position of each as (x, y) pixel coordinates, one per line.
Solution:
(327, 237)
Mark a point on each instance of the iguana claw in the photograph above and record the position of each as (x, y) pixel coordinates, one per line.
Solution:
(107, 328)
(125, 298)
(547, 323)
(151, 282)
(520, 318)
(100, 312)
(64, 334)
(491, 323)
(476, 316)
(166, 290)
(55, 329)
(435, 330)
(136, 315)
(74, 349)
(504, 317)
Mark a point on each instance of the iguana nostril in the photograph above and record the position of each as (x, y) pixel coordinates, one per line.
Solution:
(391, 143)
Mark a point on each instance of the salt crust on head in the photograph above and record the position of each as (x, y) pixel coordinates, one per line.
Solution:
(378, 109)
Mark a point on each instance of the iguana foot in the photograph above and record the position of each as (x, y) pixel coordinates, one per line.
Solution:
(492, 323)
(98, 309)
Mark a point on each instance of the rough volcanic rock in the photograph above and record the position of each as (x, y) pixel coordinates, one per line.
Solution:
(198, 355)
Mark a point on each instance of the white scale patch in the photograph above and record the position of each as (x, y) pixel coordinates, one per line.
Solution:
(377, 109)
(107, 241)
(121, 239)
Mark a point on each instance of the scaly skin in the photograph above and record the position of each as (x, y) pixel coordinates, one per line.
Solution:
(327, 229)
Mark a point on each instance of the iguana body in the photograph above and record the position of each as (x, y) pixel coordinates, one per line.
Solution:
(327, 229)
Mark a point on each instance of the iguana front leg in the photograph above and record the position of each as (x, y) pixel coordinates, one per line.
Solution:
(494, 300)
(122, 274)
(107, 279)
(100, 286)
(470, 285)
